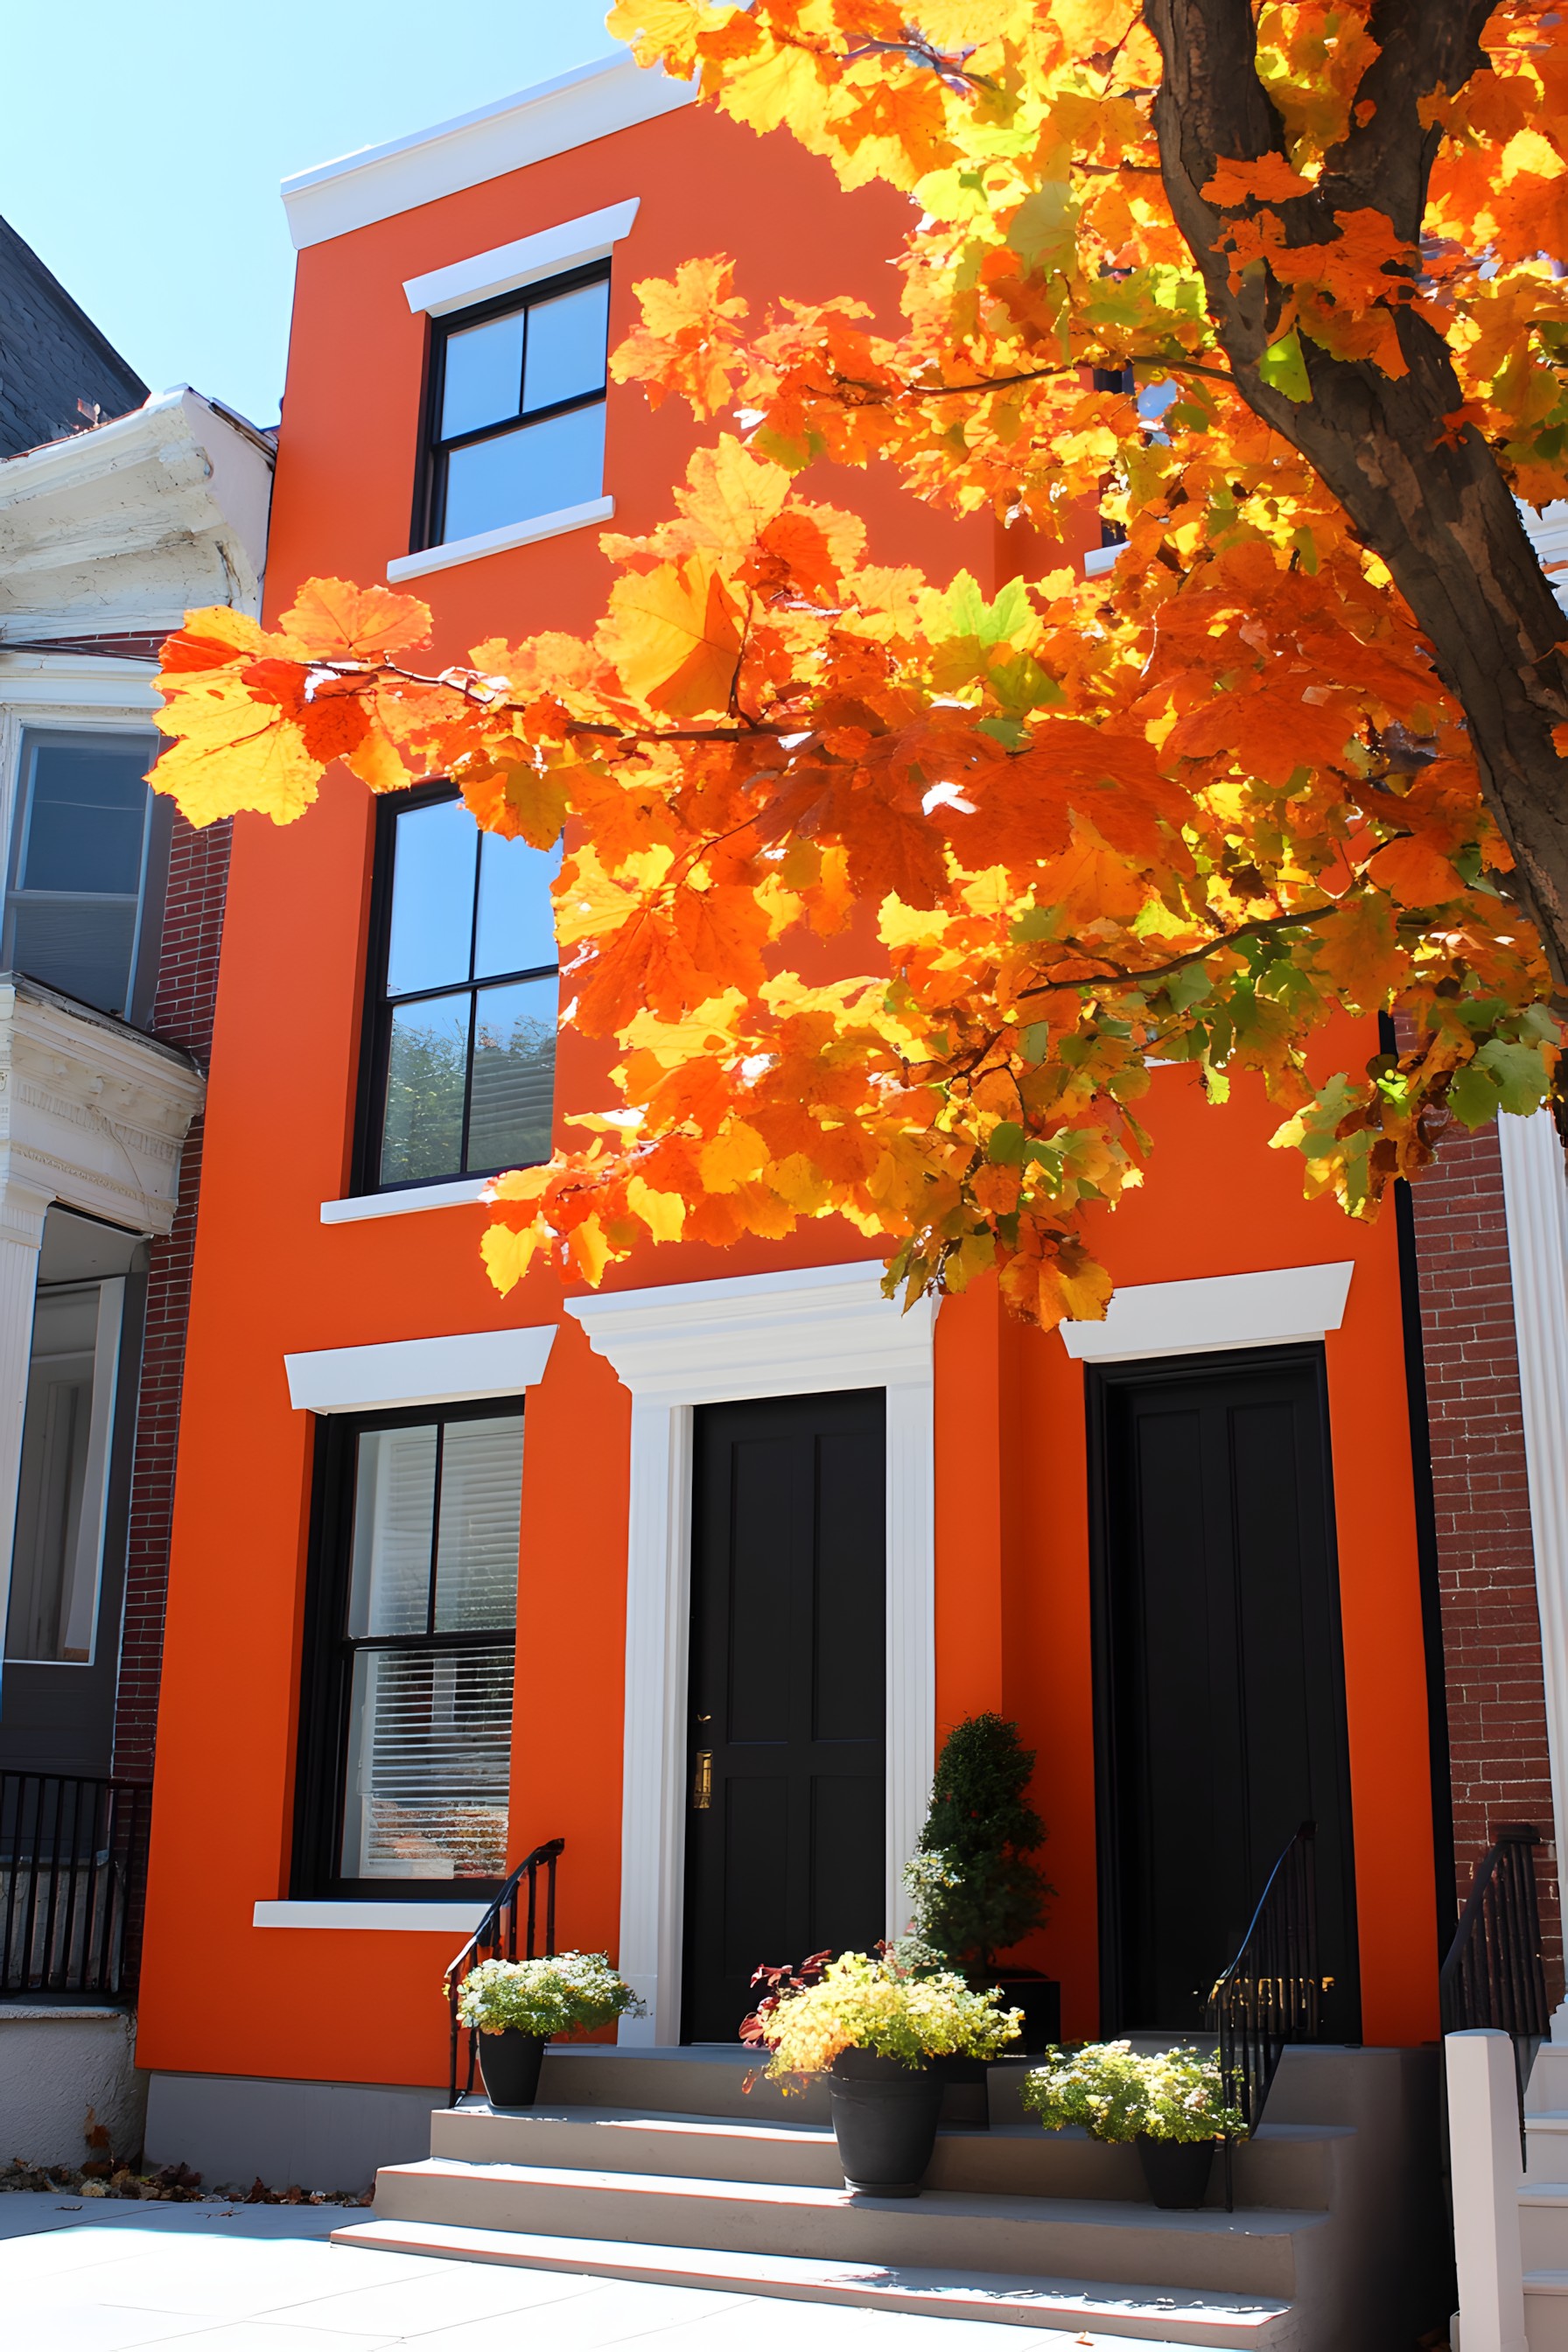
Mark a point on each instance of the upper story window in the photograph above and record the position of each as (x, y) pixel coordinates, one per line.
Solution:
(88, 864)
(518, 413)
(462, 1067)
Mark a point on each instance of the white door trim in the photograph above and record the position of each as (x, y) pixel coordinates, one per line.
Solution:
(1536, 1199)
(685, 1344)
(1268, 1309)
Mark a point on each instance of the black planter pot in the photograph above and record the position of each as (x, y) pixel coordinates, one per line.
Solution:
(965, 2102)
(1176, 2172)
(509, 2062)
(884, 2119)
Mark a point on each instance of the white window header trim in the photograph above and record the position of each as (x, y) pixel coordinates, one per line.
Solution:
(1225, 1310)
(452, 1369)
(508, 268)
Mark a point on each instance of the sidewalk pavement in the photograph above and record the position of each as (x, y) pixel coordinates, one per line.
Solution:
(106, 2274)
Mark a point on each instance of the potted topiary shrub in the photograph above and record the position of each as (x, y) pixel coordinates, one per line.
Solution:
(976, 1891)
(874, 2027)
(515, 2007)
(1170, 2102)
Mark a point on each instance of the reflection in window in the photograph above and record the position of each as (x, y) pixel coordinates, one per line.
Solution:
(85, 881)
(57, 1555)
(465, 1044)
(431, 1629)
(520, 410)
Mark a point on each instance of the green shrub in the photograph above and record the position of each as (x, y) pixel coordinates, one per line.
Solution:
(572, 1993)
(975, 1889)
(1113, 2092)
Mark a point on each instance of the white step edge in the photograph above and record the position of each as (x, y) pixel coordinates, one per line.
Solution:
(1182, 2318)
(1546, 2281)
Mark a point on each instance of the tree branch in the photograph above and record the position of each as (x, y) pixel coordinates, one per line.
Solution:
(1261, 927)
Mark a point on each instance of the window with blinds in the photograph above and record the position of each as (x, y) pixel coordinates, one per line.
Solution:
(410, 1726)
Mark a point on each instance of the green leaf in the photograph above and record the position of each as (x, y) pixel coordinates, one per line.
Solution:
(1283, 366)
(1185, 989)
(1520, 1075)
(1043, 229)
(1472, 1094)
(1035, 923)
(1036, 1041)
(1008, 1144)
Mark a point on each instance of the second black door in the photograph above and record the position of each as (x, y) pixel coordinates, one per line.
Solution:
(1221, 1695)
(784, 1854)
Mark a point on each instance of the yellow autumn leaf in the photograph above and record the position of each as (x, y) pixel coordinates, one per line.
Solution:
(664, 1213)
(674, 634)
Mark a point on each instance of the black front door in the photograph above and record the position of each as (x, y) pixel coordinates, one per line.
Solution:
(1221, 1698)
(784, 1854)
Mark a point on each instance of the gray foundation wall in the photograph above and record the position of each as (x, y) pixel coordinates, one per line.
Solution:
(236, 2129)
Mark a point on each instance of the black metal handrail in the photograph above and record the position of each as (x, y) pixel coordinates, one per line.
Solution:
(1493, 1974)
(1271, 1993)
(495, 1938)
(73, 1876)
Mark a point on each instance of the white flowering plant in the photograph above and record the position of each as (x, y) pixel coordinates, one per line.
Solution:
(1114, 2092)
(570, 1993)
(876, 2001)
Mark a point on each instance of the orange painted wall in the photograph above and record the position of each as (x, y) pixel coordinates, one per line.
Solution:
(1012, 1603)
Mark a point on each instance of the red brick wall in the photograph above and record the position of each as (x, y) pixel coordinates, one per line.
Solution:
(1492, 1630)
(183, 1014)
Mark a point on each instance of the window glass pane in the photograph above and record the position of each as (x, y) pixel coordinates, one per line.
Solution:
(54, 1571)
(422, 1126)
(432, 897)
(566, 342)
(533, 471)
(428, 1762)
(395, 1505)
(517, 915)
(82, 946)
(84, 815)
(481, 1516)
(483, 372)
(514, 1075)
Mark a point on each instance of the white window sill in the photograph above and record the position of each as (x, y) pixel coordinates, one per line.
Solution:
(460, 1192)
(495, 542)
(396, 1918)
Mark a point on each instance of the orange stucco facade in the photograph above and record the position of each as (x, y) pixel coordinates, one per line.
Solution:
(1013, 1609)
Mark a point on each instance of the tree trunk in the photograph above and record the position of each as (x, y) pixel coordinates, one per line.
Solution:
(1431, 501)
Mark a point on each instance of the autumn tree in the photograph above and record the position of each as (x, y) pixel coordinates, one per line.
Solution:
(1275, 290)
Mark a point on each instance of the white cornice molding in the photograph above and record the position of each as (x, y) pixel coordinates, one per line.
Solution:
(92, 1113)
(507, 268)
(593, 102)
(794, 1333)
(457, 1367)
(127, 526)
(1269, 1309)
(789, 1334)
(1535, 1194)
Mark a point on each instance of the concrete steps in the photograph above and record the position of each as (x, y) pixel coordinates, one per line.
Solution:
(1072, 2306)
(1543, 2202)
(653, 2163)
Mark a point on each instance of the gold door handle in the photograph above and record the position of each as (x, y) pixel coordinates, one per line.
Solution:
(702, 1781)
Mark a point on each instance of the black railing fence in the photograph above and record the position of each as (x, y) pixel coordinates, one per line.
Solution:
(495, 1938)
(1493, 1973)
(1271, 1993)
(73, 1874)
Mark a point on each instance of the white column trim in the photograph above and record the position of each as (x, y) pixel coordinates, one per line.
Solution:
(22, 1214)
(791, 1334)
(1536, 1196)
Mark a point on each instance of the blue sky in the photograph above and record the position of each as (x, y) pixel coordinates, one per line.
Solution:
(144, 146)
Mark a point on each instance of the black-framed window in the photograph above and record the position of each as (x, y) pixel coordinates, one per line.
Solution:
(517, 407)
(406, 1718)
(87, 867)
(460, 1067)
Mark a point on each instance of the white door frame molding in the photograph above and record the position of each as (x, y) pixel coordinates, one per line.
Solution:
(791, 1334)
(1268, 1309)
(1536, 1197)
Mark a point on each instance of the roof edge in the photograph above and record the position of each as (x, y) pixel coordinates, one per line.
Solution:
(572, 109)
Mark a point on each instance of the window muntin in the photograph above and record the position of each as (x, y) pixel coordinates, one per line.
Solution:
(464, 1046)
(423, 1664)
(86, 872)
(519, 411)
